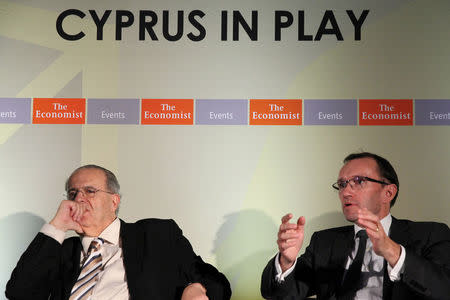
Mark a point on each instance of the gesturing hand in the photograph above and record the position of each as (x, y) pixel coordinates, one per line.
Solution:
(382, 244)
(290, 240)
(68, 215)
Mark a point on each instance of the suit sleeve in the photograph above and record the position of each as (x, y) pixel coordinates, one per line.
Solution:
(297, 285)
(194, 269)
(427, 268)
(37, 271)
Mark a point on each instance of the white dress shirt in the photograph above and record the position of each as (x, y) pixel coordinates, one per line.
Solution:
(372, 268)
(112, 282)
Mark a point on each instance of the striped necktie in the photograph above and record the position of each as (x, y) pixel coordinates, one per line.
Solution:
(90, 269)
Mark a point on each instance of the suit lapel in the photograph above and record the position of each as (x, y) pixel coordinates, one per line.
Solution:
(342, 247)
(132, 241)
(71, 253)
(399, 234)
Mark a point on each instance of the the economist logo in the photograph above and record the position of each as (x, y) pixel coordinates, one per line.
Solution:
(275, 112)
(398, 112)
(59, 111)
(167, 111)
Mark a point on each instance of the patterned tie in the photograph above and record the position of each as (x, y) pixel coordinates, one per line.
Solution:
(352, 280)
(90, 269)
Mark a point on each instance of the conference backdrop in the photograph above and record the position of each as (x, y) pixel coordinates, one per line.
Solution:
(222, 115)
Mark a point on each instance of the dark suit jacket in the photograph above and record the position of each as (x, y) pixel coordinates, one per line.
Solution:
(320, 269)
(159, 263)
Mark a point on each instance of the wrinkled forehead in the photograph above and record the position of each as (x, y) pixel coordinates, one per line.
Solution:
(360, 166)
(87, 177)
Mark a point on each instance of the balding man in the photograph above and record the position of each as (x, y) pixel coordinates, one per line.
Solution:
(379, 257)
(111, 259)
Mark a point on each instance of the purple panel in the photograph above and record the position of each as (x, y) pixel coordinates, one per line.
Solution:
(432, 112)
(15, 110)
(330, 112)
(113, 111)
(221, 112)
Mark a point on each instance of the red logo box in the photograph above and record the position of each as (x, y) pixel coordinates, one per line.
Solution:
(398, 112)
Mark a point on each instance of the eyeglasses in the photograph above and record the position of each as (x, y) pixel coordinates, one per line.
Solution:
(87, 191)
(355, 182)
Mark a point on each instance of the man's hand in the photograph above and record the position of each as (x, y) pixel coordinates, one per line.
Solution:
(68, 215)
(290, 240)
(194, 291)
(382, 244)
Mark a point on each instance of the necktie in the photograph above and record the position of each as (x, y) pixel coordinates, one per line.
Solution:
(90, 269)
(352, 280)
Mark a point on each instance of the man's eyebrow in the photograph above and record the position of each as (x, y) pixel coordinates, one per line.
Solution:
(83, 187)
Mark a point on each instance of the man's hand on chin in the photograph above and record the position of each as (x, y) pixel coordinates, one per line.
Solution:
(68, 215)
(194, 291)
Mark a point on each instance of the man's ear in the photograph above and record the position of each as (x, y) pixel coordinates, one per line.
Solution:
(115, 201)
(390, 192)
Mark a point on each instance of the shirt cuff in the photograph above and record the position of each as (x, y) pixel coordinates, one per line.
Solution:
(280, 276)
(53, 232)
(397, 270)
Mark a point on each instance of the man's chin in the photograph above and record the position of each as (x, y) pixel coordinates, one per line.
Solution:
(351, 217)
(350, 212)
(81, 232)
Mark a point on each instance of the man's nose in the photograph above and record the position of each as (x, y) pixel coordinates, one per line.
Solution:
(348, 190)
(80, 196)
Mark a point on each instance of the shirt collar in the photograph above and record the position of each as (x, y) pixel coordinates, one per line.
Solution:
(110, 234)
(385, 222)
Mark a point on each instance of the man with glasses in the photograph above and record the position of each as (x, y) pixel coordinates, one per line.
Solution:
(112, 259)
(379, 257)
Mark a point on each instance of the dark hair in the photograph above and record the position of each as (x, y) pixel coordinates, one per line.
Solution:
(385, 169)
(111, 181)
